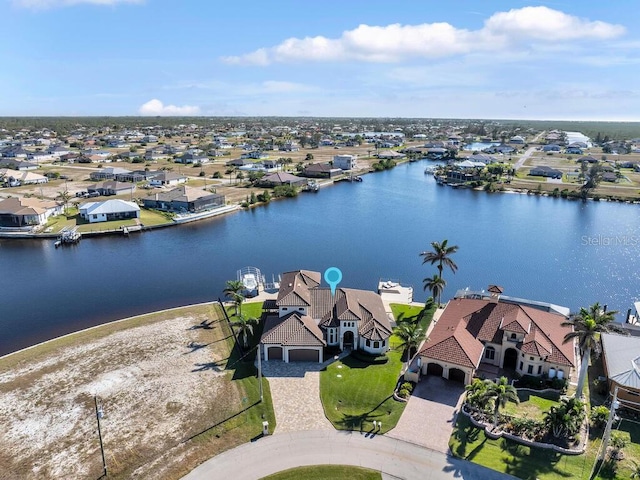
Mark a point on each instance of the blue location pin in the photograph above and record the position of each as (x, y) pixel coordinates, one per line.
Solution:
(333, 276)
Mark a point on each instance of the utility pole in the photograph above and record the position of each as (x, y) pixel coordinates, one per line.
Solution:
(99, 413)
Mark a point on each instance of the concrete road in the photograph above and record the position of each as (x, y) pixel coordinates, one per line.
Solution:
(394, 458)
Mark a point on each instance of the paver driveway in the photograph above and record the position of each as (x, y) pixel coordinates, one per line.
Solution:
(295, 391)
(430, 414)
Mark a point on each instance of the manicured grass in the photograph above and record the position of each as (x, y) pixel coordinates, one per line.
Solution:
(411, 312)
(326, 472)
(362, 393)
(531, 405)
(518, 460)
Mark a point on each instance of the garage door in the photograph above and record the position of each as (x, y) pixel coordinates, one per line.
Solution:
(275, 353)
(456, 375)
(300, 355)
(435, 369)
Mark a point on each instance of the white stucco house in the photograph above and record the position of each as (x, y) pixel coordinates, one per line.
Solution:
(345, 162)
(310, 318)
(109, 210)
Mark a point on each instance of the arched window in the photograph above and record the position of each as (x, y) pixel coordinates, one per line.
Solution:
(513, 336)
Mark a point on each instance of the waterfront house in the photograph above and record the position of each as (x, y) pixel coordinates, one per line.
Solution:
(15, 164)
(545, 171)
(21, 212)
(108, 210)
(184, 199)
(309, 318)
(345, 162)
(281, 178)
(489, 331)
(321, 170)
(621, 359)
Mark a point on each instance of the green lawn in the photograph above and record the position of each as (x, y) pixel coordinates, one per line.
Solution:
(326, 472)
(518, 460)
(411, 312)
(355, 393)
(531, 405)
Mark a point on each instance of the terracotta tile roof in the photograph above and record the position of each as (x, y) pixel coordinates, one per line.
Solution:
(466, 324)
(26, 206)
(292, 330)
(373, 321)
(294, 288)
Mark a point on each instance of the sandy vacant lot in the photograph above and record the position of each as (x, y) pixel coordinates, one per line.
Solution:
(159, 383)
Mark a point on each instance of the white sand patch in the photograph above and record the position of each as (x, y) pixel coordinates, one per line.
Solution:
(149, 380)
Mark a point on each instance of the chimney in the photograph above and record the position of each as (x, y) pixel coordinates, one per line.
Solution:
(494, 293)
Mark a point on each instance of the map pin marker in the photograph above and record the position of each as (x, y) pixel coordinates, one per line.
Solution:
(333, 276)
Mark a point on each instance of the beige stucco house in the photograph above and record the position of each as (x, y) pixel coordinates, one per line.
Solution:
(309, 317)
(504, 333)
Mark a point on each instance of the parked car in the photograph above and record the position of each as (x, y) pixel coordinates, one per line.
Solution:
(81, 193)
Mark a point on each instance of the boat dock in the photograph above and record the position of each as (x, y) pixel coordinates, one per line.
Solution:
(68, 236)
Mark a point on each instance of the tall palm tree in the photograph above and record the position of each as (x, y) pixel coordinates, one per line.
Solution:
(64, 196)
(233, 291)
(410, 335)
(244, 328)
(435, 285)
(587, 325)
(441, 255)
(500, 393)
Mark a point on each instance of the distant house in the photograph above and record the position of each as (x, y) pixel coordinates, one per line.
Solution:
(255, 154)
(391, 155)
(167, 179)
(189, 158)
(109, 210)
(321, 170)
(109, 173)
(588, 159)
(15, 164)
(481, 157)
(573, 150)
(155, 154)
(502, 148)
(282, 178)
(545, 171)
(492, 332)
(621, 358)
(112, 187)
(15, 178)
(517, 139)
(309, 318)
(21, 212)
(609, 177)
(551, 148)
(39, 157)
(345, 162)
(239, 162)
(184, 199)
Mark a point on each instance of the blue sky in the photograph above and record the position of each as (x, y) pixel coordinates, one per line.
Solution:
(455, 59)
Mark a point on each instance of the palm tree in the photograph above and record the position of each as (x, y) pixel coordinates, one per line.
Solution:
(435, 285)
(500, 393)
(441, 254)
(587, 325)
(64, 196)
(410, 335)
(233, 290)
(475, 391)
(244, 327)
(565, 418)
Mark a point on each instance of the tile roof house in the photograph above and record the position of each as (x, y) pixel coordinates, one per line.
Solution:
(184, 199)
(20, 212)
(503, 333)
(309, 318)
(621, 358)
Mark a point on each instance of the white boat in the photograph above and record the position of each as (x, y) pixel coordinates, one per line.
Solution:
(254, 281)
(394, 291)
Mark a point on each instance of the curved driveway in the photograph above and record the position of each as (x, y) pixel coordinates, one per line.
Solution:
(394, 458)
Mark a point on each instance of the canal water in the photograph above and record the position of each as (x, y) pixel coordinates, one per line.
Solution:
(541, 248)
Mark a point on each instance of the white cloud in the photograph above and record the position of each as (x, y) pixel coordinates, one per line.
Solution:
(392, 43)
(47, 4)
(156, 107)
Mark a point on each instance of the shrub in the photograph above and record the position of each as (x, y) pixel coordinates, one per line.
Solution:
(404, 393)
(599, 416)
(407, 386)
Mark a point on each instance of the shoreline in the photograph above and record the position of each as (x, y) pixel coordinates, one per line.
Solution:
(259, 298)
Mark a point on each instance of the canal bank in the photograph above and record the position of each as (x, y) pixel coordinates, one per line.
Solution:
(536, 247)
